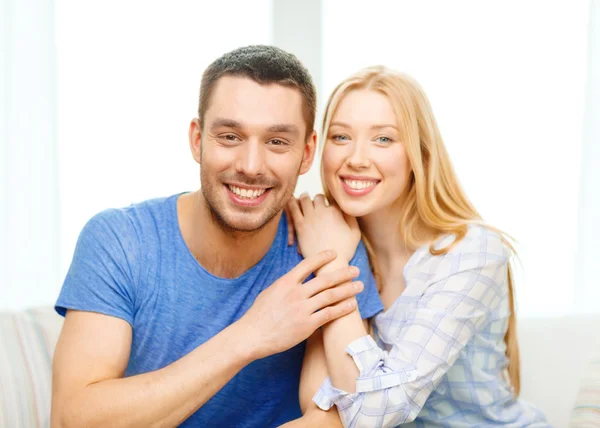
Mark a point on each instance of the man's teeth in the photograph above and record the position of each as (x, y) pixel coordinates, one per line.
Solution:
(246, 193)
(360, 184)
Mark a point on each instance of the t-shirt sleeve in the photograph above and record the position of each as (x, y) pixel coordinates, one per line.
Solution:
(369, 303)
(102, 275)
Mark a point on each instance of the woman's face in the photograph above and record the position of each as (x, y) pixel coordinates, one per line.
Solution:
(364, 163)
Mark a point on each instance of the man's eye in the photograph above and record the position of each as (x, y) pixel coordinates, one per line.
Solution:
(276, 142)
(230, 137)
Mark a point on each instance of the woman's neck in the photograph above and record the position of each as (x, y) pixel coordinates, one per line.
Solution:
(382, 231)
(391, 251)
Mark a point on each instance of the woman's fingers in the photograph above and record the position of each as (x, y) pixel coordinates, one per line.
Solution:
(290, 221)
(306, 204)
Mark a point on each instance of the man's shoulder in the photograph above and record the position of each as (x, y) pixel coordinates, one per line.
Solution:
(135, 217)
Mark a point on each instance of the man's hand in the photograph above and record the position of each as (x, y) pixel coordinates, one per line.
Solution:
(288, 312)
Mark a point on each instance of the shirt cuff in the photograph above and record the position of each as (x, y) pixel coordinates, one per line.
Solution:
(377, 371)
(328, 395)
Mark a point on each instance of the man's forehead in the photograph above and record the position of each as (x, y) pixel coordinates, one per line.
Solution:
(227, 84)
(241, 102)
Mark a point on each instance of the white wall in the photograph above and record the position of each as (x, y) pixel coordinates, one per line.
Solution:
(129, 76)
(507, 81)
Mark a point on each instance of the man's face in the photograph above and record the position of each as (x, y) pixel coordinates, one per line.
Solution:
(252, 149)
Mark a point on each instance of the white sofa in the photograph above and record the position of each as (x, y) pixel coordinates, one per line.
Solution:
(554, 353)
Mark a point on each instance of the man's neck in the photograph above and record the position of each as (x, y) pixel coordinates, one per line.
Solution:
(222, 252)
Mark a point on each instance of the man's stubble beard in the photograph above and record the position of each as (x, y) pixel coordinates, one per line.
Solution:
(207, 189)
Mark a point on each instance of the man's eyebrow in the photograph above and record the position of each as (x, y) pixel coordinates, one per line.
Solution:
(225, 123)
(284, 127)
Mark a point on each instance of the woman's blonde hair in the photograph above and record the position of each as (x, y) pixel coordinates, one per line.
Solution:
(435, 201)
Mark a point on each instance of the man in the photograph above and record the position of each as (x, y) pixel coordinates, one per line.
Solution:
(191, 310)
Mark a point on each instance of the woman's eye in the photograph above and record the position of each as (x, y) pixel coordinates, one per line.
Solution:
(384, 140)
(339, 138)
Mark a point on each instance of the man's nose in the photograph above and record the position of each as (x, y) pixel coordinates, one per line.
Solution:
(251, 160)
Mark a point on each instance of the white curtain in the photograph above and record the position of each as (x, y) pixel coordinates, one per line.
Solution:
(29, 223)
(588, 269)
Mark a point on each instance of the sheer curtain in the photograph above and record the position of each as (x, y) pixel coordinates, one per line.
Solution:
(29, 223)
(588, 268)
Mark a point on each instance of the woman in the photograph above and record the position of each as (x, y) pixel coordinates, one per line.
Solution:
(444, 351)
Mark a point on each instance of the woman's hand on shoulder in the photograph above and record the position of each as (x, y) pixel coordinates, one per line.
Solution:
(320, 226)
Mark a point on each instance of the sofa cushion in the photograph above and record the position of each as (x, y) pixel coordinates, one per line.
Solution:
(586, 412)
(27, 341)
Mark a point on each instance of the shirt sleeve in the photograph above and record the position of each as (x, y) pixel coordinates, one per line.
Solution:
(102, 274)
(470, 282)
(369, 302)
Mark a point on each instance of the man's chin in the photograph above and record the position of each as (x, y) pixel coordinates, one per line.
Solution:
(246, 222)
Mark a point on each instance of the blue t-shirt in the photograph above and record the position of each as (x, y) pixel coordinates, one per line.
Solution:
(133, 263)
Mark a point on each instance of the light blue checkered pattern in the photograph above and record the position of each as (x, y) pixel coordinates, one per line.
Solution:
(439, 355)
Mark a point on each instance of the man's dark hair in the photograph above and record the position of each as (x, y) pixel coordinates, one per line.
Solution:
(264, 65)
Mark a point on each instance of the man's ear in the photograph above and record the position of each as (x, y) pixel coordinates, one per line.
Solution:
(308, 154)
(195, 139)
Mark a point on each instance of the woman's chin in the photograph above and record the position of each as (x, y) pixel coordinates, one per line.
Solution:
(354, 208)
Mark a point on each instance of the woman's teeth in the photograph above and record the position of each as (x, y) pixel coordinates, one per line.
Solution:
(246, 193)
(360, 184)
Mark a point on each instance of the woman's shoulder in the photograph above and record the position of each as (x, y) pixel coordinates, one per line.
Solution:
(481, 246)
(478, 239)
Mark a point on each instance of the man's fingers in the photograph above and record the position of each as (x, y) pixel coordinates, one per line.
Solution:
(331, 313)
(334, 295)
(311, 264)
(331, 279)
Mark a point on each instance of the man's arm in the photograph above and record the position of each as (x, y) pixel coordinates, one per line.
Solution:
(90, 361)
(93, 352)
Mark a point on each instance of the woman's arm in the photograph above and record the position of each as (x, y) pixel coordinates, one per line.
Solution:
(460, 290)
(314, 373)
(317, 226)
(337, 336)
(428, 333)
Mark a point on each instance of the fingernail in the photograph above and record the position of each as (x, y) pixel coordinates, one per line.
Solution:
(358, 285)
(350, 305)
(353, 270)
(330, 253)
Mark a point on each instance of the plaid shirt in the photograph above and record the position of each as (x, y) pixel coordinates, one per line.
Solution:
(439, 355)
